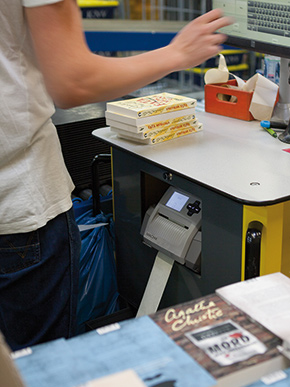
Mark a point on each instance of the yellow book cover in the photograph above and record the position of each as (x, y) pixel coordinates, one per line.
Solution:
(158, 130)
(133, 125)
(175, 134)
(119, 129)
(151, 105)
(169, 135)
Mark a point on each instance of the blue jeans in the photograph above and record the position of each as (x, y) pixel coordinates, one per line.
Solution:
(39, 274)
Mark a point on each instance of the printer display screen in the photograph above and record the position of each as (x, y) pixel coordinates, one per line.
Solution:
(177, 201)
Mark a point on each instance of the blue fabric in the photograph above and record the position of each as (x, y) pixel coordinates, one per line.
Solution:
(98, 294)
(39, 274)
(81, 206)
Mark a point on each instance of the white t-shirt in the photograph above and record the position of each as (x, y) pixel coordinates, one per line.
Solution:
(34, 183)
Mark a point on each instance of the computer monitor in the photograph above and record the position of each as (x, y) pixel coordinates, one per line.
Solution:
(262, 26)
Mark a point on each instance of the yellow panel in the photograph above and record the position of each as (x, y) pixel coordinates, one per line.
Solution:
(286, 240)
(96, 3)
(112, 176)
(275, 242)
(233, 52)
(238, 67)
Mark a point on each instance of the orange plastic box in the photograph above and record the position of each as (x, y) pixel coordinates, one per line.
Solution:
(217, 100)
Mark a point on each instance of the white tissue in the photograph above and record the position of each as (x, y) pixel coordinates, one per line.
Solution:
(219, 75)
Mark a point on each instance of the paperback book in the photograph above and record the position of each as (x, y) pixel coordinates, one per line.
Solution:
(225, 341)
(156, 131)
(138, 345)
(158, 137)
(270, 302)
(137, 125)
(151, 105)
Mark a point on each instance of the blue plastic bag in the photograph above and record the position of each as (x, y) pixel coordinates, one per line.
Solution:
(98, 292)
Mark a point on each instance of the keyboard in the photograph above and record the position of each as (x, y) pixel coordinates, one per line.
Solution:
(271, 18)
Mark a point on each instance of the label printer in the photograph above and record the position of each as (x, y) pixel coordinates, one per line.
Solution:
(173, 227)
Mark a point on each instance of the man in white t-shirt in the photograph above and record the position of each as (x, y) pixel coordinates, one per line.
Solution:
(44, 60)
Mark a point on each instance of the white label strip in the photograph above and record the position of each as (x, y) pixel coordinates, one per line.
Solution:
(21, 352)
(85, 227)
(108, 328)
(156, 284)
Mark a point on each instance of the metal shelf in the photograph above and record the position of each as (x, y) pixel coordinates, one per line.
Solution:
(129, 35)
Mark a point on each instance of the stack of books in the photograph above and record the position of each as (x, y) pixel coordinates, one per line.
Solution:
(153, 119)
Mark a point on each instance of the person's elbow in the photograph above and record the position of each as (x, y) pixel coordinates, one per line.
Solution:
(67, 100)
(70, 88)
(68, 94)
(81, 80)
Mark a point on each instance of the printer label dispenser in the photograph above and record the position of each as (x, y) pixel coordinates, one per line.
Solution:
(172, 227)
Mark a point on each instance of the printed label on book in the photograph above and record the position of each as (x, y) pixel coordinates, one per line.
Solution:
(170, 122)
(226, 343)
(170, 128)
(176, 134)
(274, 377)
(108, 328)
(21, 352)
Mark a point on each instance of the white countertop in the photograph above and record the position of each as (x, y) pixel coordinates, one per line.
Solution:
(229, 155)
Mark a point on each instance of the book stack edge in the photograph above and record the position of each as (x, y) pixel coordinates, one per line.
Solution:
(153, 119)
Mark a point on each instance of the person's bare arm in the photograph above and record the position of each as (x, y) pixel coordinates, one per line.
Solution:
(75, 76)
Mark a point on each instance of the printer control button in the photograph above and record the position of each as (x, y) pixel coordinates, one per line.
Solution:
(193, 208)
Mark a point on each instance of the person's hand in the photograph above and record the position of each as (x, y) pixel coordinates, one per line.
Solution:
(197, 41)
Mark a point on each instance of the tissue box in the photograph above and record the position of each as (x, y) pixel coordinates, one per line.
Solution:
(218, 100)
